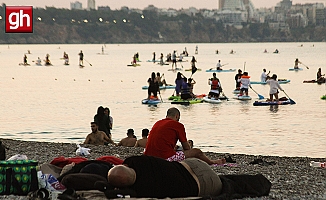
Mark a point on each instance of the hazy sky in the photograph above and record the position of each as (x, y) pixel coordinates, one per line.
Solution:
(177, 4)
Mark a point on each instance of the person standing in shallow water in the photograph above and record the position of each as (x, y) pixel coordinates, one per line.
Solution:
(102, 121)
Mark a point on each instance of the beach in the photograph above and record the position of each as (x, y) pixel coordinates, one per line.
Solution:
(291, 177)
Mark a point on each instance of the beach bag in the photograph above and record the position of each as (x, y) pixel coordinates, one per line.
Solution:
(18, 177)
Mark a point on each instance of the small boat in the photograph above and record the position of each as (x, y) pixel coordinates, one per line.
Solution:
(242, 97)
(212, 100)
(280, 81)
(161, 87)
(151, 101)
(267, 103)
(198, 96)
(297, 69)
(220, 70)
(186, 102)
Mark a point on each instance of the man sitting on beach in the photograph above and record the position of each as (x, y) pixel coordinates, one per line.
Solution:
(97, 137)
(164, 136)
(142, 142)
(130, 140)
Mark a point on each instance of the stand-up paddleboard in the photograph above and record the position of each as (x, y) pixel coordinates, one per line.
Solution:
(176, 69)
(153, 60)
(220, 70)
(264, 83)
(243, 97)
(298, 69)
(191, 69)
(267, 103)
(212, 100)
(23, 64)
(236, 92)
(198, 96)
(151, 101)
(161, 87)
(186, 102)
(133, 65)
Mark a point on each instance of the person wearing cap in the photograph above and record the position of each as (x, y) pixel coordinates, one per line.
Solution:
(130, 140)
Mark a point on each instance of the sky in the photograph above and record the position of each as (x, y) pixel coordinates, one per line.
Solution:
(141, 4)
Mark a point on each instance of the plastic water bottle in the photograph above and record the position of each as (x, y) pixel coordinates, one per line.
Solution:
(317, 164)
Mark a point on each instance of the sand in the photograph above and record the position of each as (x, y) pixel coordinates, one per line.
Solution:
(291, 177)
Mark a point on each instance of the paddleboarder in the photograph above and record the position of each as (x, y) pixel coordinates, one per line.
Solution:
(320, 77)
(238, 76)
(264, 76)
(218, 65)
(296, 63)
(245, 83)
(273, 88)
(81, 58)
(25, 60)
(216, 87)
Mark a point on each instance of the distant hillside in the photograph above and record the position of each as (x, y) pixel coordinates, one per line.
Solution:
(60, 26)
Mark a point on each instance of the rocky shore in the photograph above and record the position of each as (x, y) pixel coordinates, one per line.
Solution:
(291, 177)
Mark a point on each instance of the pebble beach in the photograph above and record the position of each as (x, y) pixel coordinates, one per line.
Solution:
(291, 177)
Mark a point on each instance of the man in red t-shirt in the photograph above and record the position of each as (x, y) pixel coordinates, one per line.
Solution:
(164, 136)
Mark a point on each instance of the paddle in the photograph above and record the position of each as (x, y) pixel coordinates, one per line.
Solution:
(305, 65)
(259, 96)
(160, 96)
(244, 66)
(88, 63)
(225, 96)
(292, 102)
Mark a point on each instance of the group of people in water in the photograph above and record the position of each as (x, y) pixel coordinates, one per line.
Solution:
(47, 60)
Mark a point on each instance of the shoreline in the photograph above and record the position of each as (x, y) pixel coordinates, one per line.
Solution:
(291, 177)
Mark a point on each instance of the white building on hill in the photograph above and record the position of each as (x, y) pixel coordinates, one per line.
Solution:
(90, 4)
(76, 5)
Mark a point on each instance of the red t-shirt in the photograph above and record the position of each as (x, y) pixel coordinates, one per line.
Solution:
(163, 138)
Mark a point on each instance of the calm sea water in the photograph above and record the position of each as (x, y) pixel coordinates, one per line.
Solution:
(57, 103)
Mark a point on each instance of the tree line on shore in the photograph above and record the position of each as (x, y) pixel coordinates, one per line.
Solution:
(63, 26)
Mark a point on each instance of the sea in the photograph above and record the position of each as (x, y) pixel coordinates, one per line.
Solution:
(57, 103)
